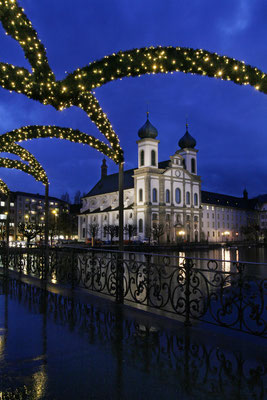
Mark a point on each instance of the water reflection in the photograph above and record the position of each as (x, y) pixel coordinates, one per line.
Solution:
(142, 356)
(226, 257)
(24, 376)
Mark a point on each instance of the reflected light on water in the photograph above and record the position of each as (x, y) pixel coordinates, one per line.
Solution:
(2, 346)
(226, 256)
(39, 383)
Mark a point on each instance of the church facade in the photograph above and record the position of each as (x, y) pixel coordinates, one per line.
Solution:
(164, 200)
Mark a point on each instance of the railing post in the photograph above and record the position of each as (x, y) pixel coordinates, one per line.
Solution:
(93, 263)
(119, 278)
(148, 262)
(72, 269)
(188, 264)
(6, 260)
(240, 269)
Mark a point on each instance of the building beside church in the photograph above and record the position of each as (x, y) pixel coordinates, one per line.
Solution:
(165, 196)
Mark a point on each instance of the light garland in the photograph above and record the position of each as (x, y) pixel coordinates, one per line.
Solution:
(76, 88)
(154, 60)
(15, 164)
(42, 131)
(4, 188)
(25, 155)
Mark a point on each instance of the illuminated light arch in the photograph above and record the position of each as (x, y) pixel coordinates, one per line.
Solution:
(41, 131)
(15, 164)
(25, 155)
(4, 188)
(76, 88)
(41, 84)
(154, 60)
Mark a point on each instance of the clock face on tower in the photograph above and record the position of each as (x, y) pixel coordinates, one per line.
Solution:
(177, 173)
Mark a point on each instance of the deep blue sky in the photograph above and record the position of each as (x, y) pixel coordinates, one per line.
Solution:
(228, 121)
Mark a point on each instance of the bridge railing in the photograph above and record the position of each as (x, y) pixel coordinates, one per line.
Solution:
(226, 293)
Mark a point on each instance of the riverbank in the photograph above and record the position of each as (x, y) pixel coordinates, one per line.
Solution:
(181, 247)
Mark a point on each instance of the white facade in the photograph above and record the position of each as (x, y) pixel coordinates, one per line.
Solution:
(166, 194)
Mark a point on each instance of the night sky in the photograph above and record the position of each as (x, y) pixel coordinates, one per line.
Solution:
(229, 122)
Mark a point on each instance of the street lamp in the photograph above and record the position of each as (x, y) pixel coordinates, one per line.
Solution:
(55, 213)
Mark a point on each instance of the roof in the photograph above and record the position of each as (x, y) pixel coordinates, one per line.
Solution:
(109, 208)
(39, 196)
(224, 200)
(110, 183)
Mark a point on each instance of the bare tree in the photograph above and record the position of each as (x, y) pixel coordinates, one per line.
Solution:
(112, 231)
(66, 197)
(30, 231)
(93, 230)
(130, 230)
(77, 197)
(157, 231)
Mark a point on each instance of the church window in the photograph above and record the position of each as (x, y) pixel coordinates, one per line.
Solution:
(140, 194)
(140, 226)
(154, 195)
(154, 217)
(142, 158)
(193, 165)
(195, 199)
(187, 197)
(178, 195)
(153, 157)
(167, 196)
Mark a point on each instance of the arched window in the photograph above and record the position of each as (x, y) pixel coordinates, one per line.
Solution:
(195, 199)
(193, 165)
(140, 226)
(140, 194)
(167, 196)
(178, 195)
(187, 197)
(154, 195)
(153, 157)
(142, 158)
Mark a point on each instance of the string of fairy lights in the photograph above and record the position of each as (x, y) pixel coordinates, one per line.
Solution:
(4, 188)
(76, 89)
(25, 155)
(16, 164)
(43, 131)
(34, 168)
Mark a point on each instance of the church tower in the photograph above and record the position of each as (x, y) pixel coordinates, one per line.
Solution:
(188, 151)
(148, 145)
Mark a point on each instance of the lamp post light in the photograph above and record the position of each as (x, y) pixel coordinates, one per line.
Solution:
(181, 234)
(226, 234)
(55, 213)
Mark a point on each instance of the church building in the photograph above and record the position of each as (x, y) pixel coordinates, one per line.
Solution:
(163, 199)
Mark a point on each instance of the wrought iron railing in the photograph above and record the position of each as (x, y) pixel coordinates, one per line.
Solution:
(202, 367)
(225, 293)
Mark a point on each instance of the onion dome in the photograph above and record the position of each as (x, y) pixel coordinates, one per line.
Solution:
(148, 131)
(187, 141)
